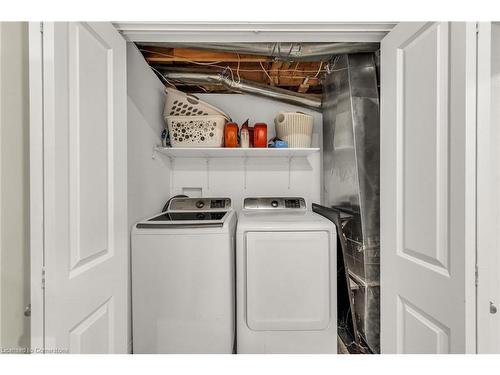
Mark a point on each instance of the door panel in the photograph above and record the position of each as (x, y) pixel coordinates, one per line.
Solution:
(91, 149)
(86, 234)
(419, 332)
(423, 121)
(94, 334)
(427, 168)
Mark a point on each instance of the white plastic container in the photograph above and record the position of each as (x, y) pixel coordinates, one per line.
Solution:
(178, 103)
(295, 128)
(245, 138)
(196, 131)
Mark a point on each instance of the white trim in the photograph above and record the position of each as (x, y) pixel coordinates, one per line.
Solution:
(470, 186)
(488, 185)
(36, 184)
(184, 32)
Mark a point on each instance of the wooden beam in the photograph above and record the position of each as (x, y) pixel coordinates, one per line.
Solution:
(159, 55)
(274, 72)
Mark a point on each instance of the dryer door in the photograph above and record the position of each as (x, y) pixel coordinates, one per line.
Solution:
(289, 283)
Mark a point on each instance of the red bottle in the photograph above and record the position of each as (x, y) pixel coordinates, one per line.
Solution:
(260, 135)
(231, 135)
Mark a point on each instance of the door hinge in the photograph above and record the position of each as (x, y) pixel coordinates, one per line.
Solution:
(476, 275)
(477, 28)
(41, 27)
(43, 278)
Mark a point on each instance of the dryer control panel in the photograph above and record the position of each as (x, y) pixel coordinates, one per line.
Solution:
(271, 203)
(199, 204)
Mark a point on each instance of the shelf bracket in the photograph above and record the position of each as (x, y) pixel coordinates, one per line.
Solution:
(289, 172)
(172, 170)
(208, 173)
(245, 161)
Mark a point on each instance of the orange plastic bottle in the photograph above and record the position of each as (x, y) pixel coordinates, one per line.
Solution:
(260, 135)
(231, 135)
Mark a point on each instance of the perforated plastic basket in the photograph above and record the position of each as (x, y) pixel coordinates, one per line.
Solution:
(196, 131)
(178, 103)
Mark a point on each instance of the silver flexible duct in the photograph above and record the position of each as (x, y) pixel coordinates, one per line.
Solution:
(280, 50)
(248, 87)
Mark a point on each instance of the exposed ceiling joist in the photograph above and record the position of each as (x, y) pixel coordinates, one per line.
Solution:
(161, 55)
(302, 76)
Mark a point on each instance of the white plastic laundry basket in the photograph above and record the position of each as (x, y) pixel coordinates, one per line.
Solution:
(178, 103)
(196, 131)
(295, 128)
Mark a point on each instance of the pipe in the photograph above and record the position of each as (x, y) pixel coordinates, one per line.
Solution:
(281, 50)
(246, 87)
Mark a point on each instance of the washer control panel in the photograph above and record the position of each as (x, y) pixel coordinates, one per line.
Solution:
(198, 204)
(274, 203)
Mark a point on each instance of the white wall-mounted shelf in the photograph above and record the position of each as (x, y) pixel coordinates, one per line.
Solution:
(172, 152)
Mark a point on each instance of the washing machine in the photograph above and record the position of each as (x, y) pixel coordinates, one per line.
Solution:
(183, 283)
(285, 278)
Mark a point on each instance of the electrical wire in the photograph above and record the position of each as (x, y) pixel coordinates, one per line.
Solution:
(162, 76)
(319, 70)
(265, 71)
(238, 68)
(230, 70)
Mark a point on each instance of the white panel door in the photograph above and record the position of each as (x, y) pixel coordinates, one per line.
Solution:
(427, 188)
(85, 188)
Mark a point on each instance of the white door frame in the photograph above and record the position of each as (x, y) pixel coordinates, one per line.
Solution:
(488, 185)
(226, 32)
(36, 186)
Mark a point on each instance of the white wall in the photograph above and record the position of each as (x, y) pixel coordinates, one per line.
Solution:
(264, 176)
(14, 186)
(148, 178)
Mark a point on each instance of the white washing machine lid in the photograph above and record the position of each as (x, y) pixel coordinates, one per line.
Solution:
(186, 227)
(293, 221)
(190, 213)
(279, 214)
(200, 219)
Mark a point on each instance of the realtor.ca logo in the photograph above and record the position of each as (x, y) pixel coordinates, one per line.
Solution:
(33, 351)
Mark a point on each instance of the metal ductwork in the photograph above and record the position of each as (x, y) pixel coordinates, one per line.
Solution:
(351, 162)
(189, 78)
(281, 50)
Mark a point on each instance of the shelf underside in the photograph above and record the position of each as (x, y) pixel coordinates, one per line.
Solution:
(178, 152)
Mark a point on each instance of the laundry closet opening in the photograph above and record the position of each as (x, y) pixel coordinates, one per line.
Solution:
(335, 172)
